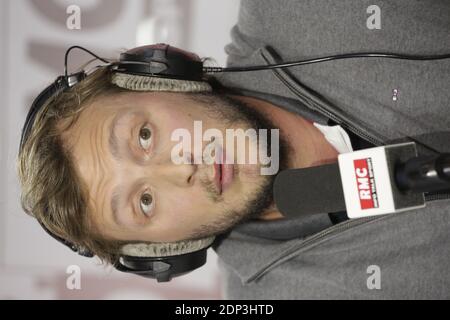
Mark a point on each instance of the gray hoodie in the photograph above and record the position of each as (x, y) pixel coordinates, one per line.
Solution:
(383, 101)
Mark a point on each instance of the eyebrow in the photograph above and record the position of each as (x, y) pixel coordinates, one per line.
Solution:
(115, 204)
(112, 140)
(113, 143)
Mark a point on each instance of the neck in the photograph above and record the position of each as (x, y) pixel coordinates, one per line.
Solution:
(306, 144)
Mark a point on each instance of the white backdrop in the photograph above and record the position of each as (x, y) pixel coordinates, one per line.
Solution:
(34, 37)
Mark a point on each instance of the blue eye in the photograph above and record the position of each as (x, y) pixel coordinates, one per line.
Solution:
(145, 137)
(146, 203)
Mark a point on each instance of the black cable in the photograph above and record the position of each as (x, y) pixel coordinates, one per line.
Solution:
(83, 49)
(328, 58)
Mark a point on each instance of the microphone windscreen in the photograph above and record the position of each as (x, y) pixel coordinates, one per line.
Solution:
(309, 191)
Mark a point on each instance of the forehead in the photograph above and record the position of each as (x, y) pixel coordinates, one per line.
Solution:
(101, 108)
(87, 142)
(150, 100)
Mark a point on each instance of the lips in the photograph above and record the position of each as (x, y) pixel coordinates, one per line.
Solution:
(227, 175)
(223, 173)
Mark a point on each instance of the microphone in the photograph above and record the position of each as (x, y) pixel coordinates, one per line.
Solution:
(368, 182)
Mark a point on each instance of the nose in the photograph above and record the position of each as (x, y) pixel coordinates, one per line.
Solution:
(181, 175)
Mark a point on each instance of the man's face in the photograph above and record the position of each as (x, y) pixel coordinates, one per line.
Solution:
(123, 152)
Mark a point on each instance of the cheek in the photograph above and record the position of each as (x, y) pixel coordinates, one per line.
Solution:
(173, 118)
(183, 203)
(182, 213)
(170, 123)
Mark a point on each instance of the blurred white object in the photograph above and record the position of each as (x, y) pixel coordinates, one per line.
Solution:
(164, 24)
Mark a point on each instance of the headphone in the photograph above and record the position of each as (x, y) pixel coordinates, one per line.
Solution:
(165, 68)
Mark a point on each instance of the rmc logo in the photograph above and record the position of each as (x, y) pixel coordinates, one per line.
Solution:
(365, 182)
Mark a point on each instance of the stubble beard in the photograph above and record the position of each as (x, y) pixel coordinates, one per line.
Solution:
(229, 110)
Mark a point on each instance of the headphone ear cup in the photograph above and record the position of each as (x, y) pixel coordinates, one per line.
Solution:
(163, 261)
(161, 60)
(160, 67)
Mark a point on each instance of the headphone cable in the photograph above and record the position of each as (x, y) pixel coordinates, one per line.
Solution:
(329, 58)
